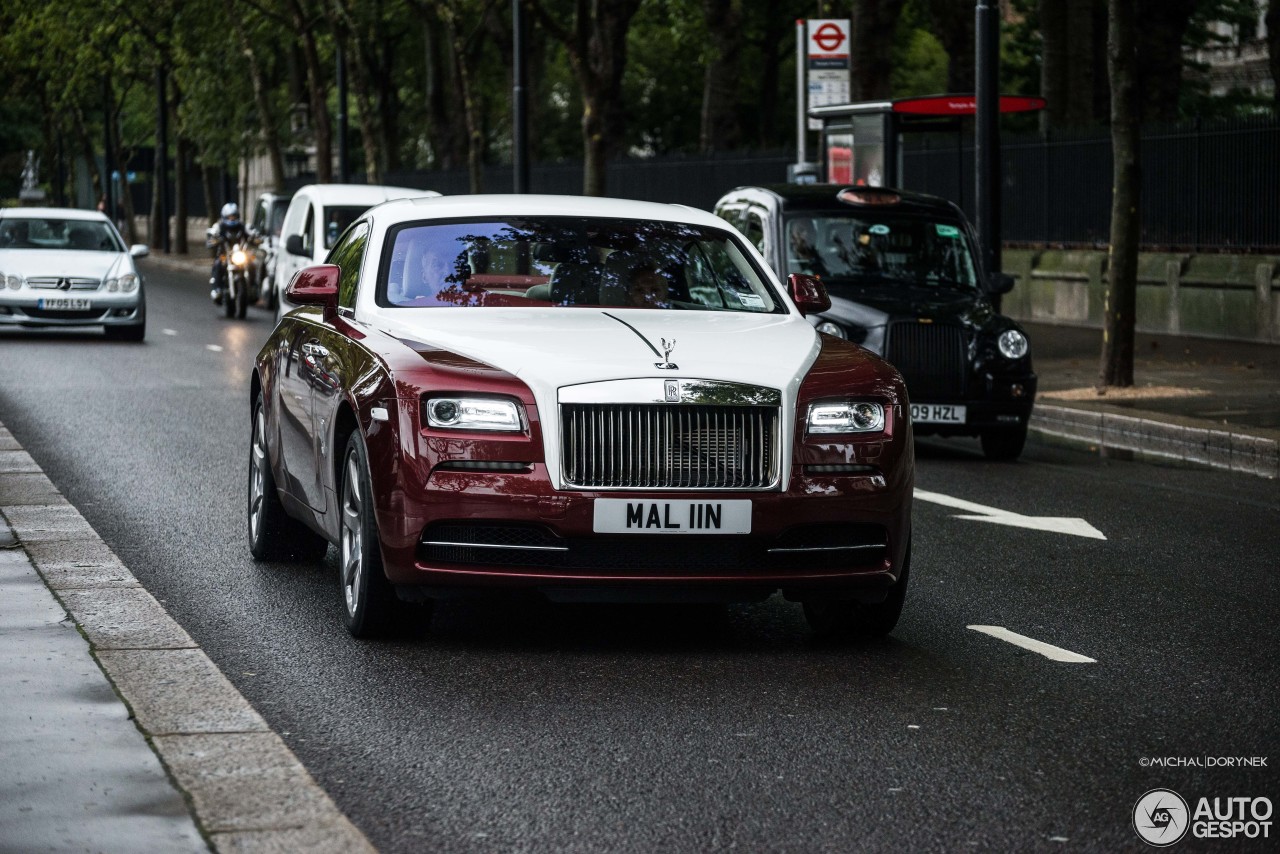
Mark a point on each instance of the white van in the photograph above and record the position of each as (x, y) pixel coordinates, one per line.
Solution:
(317, 215)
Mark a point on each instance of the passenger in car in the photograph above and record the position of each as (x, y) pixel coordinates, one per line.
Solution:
(805, 257)
(649, 288)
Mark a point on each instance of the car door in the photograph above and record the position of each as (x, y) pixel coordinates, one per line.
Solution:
(294, 378)
(327, 348)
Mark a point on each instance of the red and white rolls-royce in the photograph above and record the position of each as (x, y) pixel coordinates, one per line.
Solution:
(594, 399)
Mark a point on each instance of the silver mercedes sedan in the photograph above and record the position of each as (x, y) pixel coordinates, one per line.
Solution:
(68, 267)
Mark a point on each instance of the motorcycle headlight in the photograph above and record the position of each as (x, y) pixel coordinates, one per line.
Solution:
(832, 329)
(473, 413)
(239, 257)
(12, 282)
(847, 417)
(1012, 344)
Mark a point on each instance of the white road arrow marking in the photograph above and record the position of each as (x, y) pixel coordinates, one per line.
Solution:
(1048, 650)
(1056, 524)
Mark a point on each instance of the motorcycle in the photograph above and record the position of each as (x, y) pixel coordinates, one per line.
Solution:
(237, 264)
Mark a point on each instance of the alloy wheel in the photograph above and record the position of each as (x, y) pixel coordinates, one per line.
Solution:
(352, 535)
(257, 488)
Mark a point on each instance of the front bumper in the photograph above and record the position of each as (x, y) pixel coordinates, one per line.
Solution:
(23, 308)
(470, 530)
(1002, 402)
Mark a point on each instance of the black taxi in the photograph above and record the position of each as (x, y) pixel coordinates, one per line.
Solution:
(906, 281)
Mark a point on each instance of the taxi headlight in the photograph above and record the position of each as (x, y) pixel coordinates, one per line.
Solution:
(848, 417)
(473, 413)
(1012, 344)
(832, 329)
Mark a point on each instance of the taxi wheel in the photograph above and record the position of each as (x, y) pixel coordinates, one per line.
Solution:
(853, 619)
(273, 534)
(371, 607)
(1004, 443)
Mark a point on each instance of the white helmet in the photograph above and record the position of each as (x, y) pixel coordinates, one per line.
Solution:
(230, 209)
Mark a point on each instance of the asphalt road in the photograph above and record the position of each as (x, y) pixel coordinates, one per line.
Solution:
(586, 728)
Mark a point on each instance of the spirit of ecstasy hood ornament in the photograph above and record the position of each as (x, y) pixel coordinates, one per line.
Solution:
(666, 363)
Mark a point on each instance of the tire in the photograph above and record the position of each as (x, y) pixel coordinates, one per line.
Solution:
(242, 298)
(370, 607)
(134, 332)
(228, 304)
(853, 619)
(273, 534)
(1004, 443)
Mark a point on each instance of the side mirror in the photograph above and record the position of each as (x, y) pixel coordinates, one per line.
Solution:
(139, 250)
(316, 285)
(808, 293)
(293, 245)
(999, 283)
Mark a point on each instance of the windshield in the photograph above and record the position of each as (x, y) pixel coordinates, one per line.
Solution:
(880, 249)
(562, 261)
(278, 209)
(336, 220)
(47, 233)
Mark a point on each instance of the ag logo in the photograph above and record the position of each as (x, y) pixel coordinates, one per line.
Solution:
(1160, 817)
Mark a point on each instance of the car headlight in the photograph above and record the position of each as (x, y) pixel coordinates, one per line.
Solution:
(111, 285)
(1012, 344)
(850, 417)
(128, 283)
(239, 257)
(13, 282)
(832, 329)
(473, 413)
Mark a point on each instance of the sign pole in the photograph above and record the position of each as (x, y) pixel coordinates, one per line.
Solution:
(987, 131)
(800, 93)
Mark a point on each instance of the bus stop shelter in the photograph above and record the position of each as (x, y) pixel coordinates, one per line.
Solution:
(862, 143)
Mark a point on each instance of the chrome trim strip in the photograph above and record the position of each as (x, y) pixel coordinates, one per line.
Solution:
(497, 546)
(654, 390)
(829, 548)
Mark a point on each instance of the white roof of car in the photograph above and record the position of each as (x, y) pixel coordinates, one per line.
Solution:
(51, 213)
(499, 206)
(359, 194)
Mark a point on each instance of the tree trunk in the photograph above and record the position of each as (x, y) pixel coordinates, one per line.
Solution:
(1159, 66)
(597, 48)
(91, 161)
(318, 96)
(873, 25)
(1273, 47)
(953, 23)
(123, 156)
(206, 187)
(775, 27)
(1120, 298)
(180, 195)
(475, 140)
(721, 80)
(261, 100)
(369, 136)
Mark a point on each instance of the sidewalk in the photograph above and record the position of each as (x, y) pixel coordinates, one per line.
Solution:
(1205, 401)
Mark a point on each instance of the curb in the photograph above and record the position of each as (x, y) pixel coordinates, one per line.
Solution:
(246, 789)
(1189, 440)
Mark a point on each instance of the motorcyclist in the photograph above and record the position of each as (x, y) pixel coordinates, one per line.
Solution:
(221, 236)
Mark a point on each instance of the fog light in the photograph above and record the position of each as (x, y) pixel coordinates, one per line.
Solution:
(1016, 390)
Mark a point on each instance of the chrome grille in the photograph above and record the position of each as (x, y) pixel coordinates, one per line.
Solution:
(648, 446)
(55, 283)
(932, 359)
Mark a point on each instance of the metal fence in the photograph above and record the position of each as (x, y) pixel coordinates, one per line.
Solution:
(1213, 186)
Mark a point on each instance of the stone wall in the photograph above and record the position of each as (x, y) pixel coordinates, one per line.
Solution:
(1215, 296)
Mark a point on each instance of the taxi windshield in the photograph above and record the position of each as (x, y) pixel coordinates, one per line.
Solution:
(571, 262)
(881, 249)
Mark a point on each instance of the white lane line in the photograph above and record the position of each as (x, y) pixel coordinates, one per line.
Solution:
(983, 513)
(1048, 650)
(214, 347)
(169, 331)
